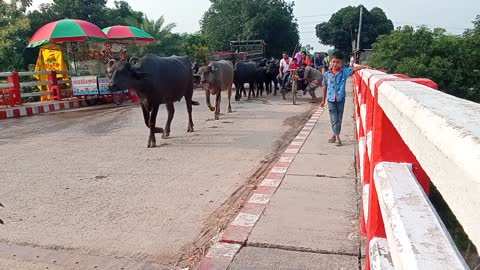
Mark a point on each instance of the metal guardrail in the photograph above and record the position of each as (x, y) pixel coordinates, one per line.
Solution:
(36, 94)
(35, 83)
(5, 85)
(5, 74)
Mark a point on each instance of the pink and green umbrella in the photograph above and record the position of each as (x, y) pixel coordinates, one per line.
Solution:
(67, 30)
(127, 34)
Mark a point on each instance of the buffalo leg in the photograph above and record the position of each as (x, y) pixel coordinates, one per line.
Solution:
(188, 101)
(171, 112)
(207, 96)
(251, 90)
(152, 142)
(146, 117)
(217, 105)
(238, 92)
(229, 96)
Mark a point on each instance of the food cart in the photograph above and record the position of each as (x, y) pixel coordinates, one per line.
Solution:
(87, 49)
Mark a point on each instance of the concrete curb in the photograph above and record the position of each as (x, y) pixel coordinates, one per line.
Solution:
(231, 240)
(37, 109)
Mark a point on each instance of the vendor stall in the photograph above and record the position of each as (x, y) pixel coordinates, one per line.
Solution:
(81, 43)
(87, 49)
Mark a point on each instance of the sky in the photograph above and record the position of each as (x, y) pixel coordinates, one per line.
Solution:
(454, 16)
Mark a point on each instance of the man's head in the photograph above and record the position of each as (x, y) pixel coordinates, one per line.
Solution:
(294, 61)
(337, 60)
(318, 54)
(285, 55)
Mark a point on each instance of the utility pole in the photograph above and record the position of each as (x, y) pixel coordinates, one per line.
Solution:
(359, 28)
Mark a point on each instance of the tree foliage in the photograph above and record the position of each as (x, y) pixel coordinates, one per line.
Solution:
(449, 60)
(195, 46)
(342, 28)
(166, 43)
(123, 14)
(88, 10)
(14, 27)
(270, 20)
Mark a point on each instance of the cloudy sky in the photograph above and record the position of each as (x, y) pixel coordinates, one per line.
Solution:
(454, 16)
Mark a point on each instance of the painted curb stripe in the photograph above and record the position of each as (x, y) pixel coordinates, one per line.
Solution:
(236, 234)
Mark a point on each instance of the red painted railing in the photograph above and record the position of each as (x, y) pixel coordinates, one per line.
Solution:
(385, 117)
(11, 93)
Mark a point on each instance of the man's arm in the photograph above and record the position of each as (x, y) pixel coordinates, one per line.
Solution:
(357, 68)
(322, 104)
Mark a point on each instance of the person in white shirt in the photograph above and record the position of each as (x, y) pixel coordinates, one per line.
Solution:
(352, 61)
(284, 74)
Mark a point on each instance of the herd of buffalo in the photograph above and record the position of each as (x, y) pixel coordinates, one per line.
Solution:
(165, 80)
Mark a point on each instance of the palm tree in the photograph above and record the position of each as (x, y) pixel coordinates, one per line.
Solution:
(166, 43)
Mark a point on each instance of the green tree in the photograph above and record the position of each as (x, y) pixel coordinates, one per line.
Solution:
(270, 20)
(449, 60)
(308, 48)
(89, 10)
(123, 14)
(166, 43)
(195, 46)
(342, 28)
(14, 27)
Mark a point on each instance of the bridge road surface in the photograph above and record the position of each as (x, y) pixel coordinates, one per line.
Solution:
(82, 191)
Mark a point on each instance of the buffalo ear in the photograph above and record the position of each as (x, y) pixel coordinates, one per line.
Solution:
(111, 63)
(212, 67)
(133, 60)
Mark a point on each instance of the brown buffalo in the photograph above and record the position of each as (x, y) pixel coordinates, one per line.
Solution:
(216, 77)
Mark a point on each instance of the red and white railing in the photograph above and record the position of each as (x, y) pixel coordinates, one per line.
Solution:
(11, 94)
(410, 134)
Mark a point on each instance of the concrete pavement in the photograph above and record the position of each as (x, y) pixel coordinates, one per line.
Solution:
(311, 220)
(81, 186)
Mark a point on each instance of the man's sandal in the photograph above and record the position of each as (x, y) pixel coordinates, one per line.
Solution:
(331, 140)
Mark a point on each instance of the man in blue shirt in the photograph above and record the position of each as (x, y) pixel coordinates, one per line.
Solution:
(334, 82)
(319, 62)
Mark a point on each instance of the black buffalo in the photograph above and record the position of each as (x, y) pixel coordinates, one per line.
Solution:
(157, 80)
(245, 72)
(263, 82)
(272, 73)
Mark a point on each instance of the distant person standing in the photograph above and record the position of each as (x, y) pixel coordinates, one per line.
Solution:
(334, 83)
(326, 61)
(352, 60)
(284, 70)
(309, 61)
(318, 62)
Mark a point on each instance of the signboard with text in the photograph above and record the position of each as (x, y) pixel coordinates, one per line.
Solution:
(103, 86)
(85, 85)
